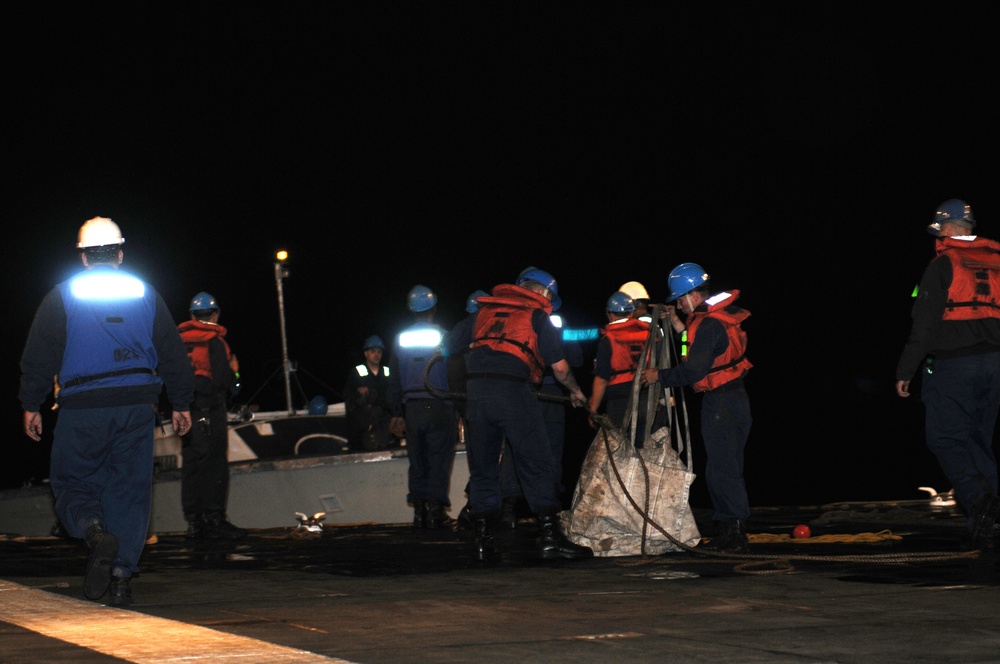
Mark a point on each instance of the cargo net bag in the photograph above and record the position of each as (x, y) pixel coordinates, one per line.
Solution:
(634, 501)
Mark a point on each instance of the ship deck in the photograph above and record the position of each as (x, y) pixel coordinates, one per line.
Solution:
(882, 582)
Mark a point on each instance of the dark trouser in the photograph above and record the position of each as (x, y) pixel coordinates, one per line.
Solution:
(368, 427)
(102, 469)
(502, 409)
(431, 437)
(554, 414)
(962, 398)
(205, 463)
(725, 427)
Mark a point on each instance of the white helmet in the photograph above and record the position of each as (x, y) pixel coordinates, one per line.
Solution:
(634, 290)
(99, 232)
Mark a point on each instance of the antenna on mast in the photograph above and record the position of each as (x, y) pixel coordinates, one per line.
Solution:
(280, 273)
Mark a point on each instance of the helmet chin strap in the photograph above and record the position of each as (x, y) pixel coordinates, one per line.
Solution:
(687, 298)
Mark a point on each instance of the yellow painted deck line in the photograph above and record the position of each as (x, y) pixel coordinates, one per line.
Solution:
(135, 637)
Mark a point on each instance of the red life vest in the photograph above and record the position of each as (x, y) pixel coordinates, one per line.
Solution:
(733, 363)
(196, 334)
(504, 324)
(974, 292)
(627, 337)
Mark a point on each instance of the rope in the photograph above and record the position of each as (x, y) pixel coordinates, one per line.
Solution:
(758, 564)
(860, 538)
(764, 564)
(746, 563)
(781, 563)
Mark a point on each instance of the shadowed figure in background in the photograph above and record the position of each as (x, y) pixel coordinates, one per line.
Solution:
(205, 467)
(455, 359)
(370, 424)
(619, 351)
(430, 420)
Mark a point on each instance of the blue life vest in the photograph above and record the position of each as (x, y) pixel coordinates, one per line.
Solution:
(414, 348)
(109, 331)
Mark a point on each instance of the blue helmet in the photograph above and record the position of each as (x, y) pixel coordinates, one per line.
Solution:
(373, 341)
(421, 298)
(318, 405)
(545, 279)
(953, 209)
(472, 302)
(685, 278)
(203, 302)
(621, 303)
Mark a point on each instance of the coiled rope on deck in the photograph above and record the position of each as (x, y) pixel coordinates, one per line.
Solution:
(746, 563)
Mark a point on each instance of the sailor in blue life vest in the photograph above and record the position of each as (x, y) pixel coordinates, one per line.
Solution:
(956, 336)
(512, 341)
(205, 449)
(111, 342)
(619, 350)
(714, 366)
(366, 401)
(430, 418)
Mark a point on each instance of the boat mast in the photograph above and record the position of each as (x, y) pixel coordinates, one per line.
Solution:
(280, 272)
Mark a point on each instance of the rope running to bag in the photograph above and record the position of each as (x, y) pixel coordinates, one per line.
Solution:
(753, 563)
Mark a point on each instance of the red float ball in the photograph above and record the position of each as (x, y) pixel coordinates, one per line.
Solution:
(801, 531)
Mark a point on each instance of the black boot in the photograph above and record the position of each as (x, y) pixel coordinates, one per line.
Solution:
(103, 549)
(120, 593)
(484, 547)
(217, 526)
(552, 543)
(437, 517)
(419, 514)
(465, 521)
(985, 530)
(731, 537)
(508, 513)
(196, 526)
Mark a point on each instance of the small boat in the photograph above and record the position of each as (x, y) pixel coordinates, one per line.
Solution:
(281, 464)
(268, 435)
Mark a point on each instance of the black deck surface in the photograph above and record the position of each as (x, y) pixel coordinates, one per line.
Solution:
(876, 582)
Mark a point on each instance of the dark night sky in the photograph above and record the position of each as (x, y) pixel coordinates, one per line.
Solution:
(796, 153)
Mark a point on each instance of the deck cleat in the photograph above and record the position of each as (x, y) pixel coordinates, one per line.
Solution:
(312, 524)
